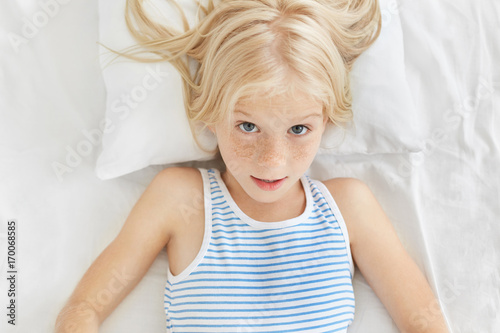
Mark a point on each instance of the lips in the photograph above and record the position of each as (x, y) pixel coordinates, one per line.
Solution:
(268, 184)
(268, 181)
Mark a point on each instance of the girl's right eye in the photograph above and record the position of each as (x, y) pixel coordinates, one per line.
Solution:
(248, 127)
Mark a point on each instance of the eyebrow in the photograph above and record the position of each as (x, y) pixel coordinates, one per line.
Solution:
(304, 117)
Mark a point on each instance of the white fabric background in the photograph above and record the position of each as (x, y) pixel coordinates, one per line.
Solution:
(444, 201)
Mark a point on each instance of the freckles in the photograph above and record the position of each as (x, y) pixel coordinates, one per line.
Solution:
(304, 152)
(241, 148)
(270, 157)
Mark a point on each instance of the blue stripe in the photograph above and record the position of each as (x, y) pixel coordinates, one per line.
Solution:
(268, 302)
(268, 324)
(280, 270)
(219, 213)
(229, 219)
(322, 326)
(263, 309)
(221, 208)
(288, 277)
(314, 195)
(280, 242)
(266, 265)
(223, 228)
(229, 225)
(259, 287)
(260, 295)
(221, 301)
(276, 249)
(297, 232)
(267, 317)
(280, 256)
(324, 203)
(302, 329)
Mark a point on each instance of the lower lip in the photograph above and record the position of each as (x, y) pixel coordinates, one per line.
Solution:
(268, 186)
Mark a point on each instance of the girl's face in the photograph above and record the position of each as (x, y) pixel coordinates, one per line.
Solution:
(269, 144)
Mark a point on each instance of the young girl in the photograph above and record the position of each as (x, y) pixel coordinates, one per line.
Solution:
(266, 249)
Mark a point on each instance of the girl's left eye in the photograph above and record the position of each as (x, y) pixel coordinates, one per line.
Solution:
(248, 127)
(299, 129)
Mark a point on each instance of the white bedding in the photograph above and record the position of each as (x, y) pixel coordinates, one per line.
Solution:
(444, 200)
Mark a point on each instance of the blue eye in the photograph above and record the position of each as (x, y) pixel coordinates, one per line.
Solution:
(299, 129)
(248, 127)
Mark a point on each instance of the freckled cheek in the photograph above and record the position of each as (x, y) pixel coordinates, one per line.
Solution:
(301, 153)
(240, 148)
(305, 152)
(244, 151)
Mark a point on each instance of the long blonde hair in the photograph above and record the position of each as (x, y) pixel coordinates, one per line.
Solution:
(242, 48)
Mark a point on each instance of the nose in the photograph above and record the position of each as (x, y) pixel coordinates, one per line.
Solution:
(271, 152)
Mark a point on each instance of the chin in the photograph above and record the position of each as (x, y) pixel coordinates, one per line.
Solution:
(263, 196)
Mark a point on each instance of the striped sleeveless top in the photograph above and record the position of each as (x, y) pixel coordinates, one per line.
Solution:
(250, 276)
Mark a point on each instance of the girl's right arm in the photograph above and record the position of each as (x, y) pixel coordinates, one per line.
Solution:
(127, 258)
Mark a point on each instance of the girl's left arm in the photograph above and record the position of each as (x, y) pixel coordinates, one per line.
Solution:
(383, 261)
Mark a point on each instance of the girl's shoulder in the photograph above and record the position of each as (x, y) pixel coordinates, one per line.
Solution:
(182, 201)
(356, 203)
(179, 191)
(346, 187)
(180, 181)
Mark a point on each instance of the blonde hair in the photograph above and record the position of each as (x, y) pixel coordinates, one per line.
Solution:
(243, 48)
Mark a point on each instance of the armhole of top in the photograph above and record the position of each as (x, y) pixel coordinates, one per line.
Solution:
(340, 220)
(207, 234)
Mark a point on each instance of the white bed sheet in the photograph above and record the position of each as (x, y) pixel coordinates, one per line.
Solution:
(443, 201)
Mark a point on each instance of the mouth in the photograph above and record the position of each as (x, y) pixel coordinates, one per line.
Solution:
(269, 184)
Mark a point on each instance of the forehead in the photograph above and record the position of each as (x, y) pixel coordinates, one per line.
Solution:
(285, 104)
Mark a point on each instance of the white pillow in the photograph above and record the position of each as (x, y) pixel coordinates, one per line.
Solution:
(146, 123)
(385, 119)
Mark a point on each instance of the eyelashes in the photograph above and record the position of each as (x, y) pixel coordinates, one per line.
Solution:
(297, 130)
(248, 127)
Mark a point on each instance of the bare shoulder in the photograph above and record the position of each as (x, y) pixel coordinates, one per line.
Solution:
(181, 187)
(179, 182)
(349, 192)
(182, 195)
(179, 175)
(356, 203)
(168, 190)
